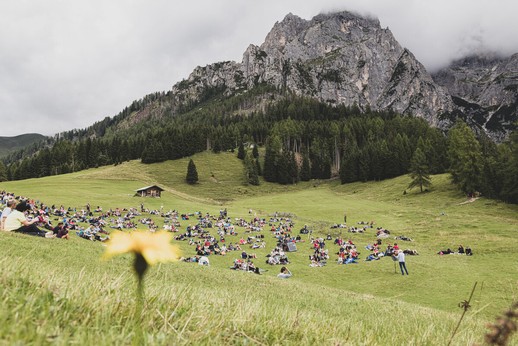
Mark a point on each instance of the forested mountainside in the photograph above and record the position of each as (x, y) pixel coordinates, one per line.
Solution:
(335, 95)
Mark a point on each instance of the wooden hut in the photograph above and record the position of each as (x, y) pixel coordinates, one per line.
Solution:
(149, 191)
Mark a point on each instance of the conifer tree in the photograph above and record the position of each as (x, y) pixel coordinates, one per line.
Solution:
(349, 166)
(465, 157)
(419, 171)
(258, 167)
(305, 170)
(241, 151)
(149, 153)
(216, 149)
(251, 175)
(363, 165)
(288, 172)
(293, 169)
(3, 172)
(11, 171)
(255, 151)
(160, 152)
(192, 173)
(272, 159)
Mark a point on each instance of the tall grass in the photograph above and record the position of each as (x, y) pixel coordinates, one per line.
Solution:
(59, 292)
(82, 300)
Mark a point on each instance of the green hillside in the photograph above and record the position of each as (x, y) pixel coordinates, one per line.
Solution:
(12, 144)
(56, 291)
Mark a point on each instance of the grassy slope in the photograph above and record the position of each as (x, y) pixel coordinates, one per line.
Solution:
(356, 304)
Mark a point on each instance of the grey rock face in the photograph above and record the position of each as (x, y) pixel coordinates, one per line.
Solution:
(342, 58)
(485, 90)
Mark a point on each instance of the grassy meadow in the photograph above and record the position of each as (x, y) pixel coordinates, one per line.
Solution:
(60, 292)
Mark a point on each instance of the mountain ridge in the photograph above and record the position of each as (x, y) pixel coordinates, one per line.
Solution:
(337, 58)
(484, 88)
(9, 144)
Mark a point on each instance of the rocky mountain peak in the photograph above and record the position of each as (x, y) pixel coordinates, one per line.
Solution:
(341, 58)
(344, 58)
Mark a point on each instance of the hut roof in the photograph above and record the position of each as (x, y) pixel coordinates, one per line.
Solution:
(149, 187)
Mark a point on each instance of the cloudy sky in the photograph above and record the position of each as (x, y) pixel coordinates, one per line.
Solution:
(67, 64)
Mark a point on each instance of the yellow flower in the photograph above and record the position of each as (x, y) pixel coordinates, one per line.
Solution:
(153, 247)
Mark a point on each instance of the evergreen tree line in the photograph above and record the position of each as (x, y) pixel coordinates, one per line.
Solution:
(480, 165)
(304, 139)
(367, 148)
(357, 148)
(162, 138)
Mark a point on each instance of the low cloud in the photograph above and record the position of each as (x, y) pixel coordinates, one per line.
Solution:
(66, 65)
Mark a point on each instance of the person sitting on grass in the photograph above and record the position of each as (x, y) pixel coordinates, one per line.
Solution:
(16, 221)
(317, 261)
(252, 268)
(11, 203)
(284, 274)
(372, 257)
(445, 252)
(61, 231)
(203, 261)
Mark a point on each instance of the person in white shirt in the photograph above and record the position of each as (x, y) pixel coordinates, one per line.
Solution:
(203, 261)
(285, 273)
(7, 210)
(402, 264)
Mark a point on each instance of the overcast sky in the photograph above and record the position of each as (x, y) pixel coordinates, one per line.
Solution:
(67, 64)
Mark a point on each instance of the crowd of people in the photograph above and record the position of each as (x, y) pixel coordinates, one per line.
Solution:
(27, 216)
(207, 234)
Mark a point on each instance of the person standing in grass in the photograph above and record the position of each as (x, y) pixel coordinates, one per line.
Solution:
(401, 259)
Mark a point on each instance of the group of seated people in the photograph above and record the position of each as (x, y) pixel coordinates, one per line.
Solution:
(245, 265)
(34, 218)
(208, 246)
(207, 243)
(21, 217)
(319, 258)
(391, 250)
(347, 253)
(318, 243)
(286, 240)
(93, 232)
(320, 253)
(277, 256)
(61, 231)
(382, 233)
(460, 251)
(254, 225)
